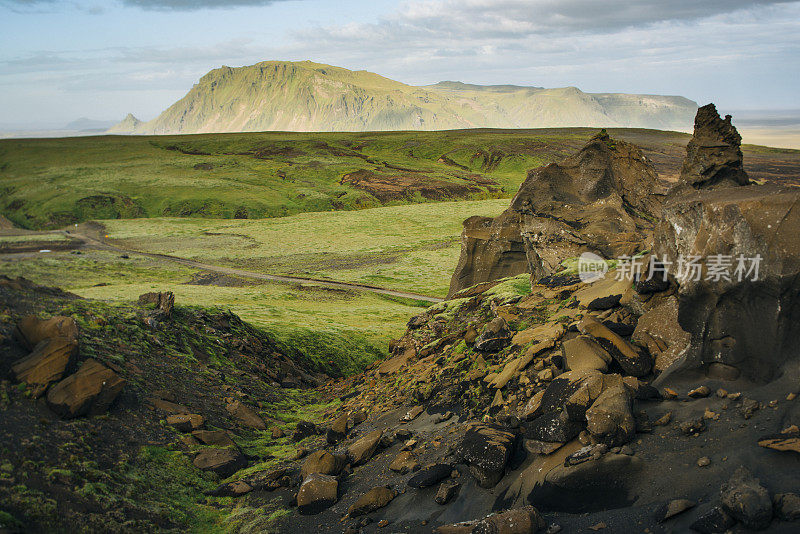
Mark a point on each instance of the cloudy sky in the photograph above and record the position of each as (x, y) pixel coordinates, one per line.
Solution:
(60, 60)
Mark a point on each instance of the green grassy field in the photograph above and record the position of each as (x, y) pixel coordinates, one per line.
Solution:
(49, 183)
(340, 330)
(410, 248)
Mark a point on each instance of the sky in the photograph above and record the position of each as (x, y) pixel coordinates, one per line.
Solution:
(61, 60)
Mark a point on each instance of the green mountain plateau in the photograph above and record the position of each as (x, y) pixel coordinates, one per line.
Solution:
(306, 96)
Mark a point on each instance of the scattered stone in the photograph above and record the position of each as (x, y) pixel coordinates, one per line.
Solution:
(722, 393)
(90, 391)
(700, 392)
(363, 449)
(670, 393)
(317, 492)
(704, 461)
(430, 475)
(223, 462)
(744, 498)
(447, 490)
(372, 500)
(46, 365)
(486, 450)
(383, 523)
(443, 417)
(277, 432)
(245, 415)
(749, 407)
(598, 526)
(214, 438)
(791, 396)
(186, 422)
(715, 521)
(404, 462)
(673, 508)
(693, 427)
(663, 420)
(322, 462)
(267, 480)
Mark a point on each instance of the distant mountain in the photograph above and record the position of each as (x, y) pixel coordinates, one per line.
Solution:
(84, 124)
(128, 125)
(306, 96)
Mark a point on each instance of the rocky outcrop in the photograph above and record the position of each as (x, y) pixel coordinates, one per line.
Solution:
(597, 200)
(46, 365)
(713, 155)
(742, 306)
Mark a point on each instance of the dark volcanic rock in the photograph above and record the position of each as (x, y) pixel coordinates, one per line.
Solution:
(322, 462)
(713, 155)
(517, 521)
(591, 201)
(303, 430)
(494, 337)
(430, 475)
(744, 498)
(486, 450)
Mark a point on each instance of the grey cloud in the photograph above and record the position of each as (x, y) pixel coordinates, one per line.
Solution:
(192, 5)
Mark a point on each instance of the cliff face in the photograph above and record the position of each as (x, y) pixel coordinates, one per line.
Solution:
(598, 200)
(306, 96)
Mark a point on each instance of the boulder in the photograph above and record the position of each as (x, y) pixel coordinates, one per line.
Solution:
(524, 520)
(582, 352)
(223, 462)
(486, 450)
(268, 480)
(362, 450)
(430, 475)
(404, 462)
(338, 429)
(186, 422)
(610, 419)
(31, 330)
(316, 493)
(631, 360)
(673, 508)
(90, 391)
(746, 500)
(372, 500)
(245, 415)
(214, 438)
(495, 336)
(46, 365)
(322, 462)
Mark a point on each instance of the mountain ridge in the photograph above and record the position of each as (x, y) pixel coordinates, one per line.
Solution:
(308, 96)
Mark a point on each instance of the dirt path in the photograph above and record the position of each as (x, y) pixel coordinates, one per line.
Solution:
(91, 235)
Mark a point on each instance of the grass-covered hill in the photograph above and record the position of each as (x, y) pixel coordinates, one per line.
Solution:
(307, 96)
(49, 183)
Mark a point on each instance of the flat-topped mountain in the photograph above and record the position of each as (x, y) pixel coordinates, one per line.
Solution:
(307, 96)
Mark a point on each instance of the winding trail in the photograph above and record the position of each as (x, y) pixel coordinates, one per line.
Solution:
(83, 233)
